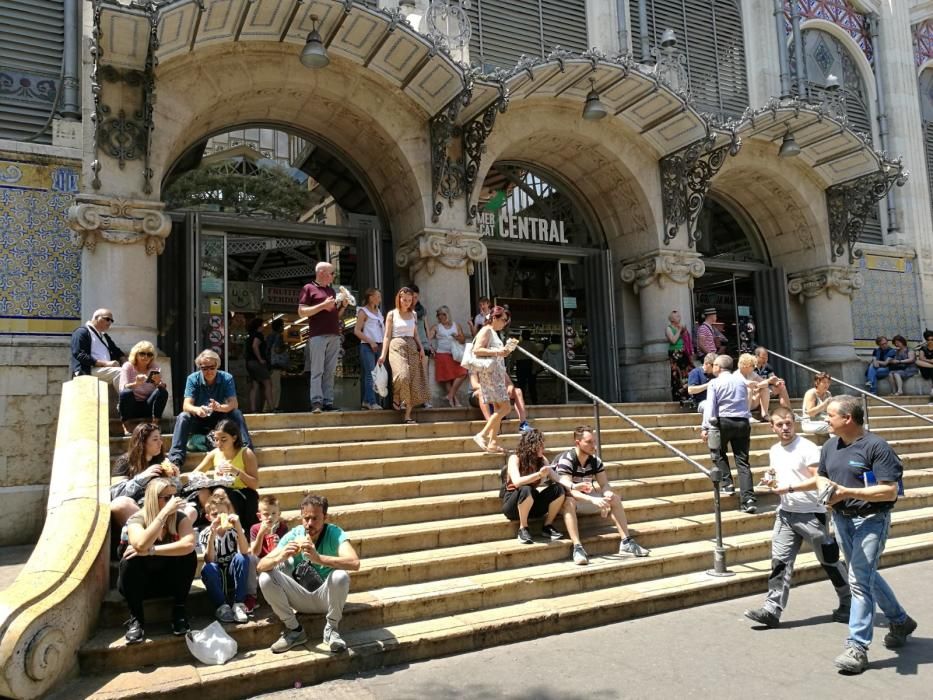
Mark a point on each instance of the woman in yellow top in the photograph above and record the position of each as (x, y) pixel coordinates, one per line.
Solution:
(231, 458)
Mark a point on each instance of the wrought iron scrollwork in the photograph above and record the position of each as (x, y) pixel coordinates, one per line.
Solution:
(474, 145)
(447, 174)
(850, 203)
(685, 179)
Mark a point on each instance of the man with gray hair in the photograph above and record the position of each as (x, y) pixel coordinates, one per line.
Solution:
(93, 352)
(726, 423)
(319, 304)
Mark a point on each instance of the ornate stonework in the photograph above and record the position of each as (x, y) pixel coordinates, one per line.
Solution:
(681, 267)
(452, 249)
(120, 221)
(832, 278)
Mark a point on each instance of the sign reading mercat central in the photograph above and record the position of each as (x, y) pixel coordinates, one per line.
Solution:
(521, 228)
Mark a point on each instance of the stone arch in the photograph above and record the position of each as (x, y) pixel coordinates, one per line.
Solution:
(786, 203)
(218, 87)
(597, 161)
(854, 50)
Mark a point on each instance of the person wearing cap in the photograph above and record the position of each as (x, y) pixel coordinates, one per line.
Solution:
(709, 339)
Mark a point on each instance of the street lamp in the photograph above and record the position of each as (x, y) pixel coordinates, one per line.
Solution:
(789, 147)
(314, 54)
(594, 109)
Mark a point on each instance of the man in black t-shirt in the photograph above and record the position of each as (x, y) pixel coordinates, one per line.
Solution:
(865, 473)
(925, 359)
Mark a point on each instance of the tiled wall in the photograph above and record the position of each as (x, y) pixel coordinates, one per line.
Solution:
(40, 269)
(888, 302)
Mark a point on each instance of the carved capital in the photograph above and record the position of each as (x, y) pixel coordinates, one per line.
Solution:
(451, 249)
(118, 220)
(678, 266)
(831, 279)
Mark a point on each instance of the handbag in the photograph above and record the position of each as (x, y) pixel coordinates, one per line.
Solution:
(470, 361)
(456, 350)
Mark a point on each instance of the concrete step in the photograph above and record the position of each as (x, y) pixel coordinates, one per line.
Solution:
(259, 670)
(484, 591)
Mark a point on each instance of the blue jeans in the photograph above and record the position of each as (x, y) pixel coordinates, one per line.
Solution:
(368, 358)
(873, 374)
(863, 540)
(324, 351)
(219, 581)
(186, 423)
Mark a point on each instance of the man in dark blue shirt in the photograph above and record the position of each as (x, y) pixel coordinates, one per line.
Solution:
(865, 473)
(698, 380)
(878, 368)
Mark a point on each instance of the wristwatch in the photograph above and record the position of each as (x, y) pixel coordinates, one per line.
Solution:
(790, 489)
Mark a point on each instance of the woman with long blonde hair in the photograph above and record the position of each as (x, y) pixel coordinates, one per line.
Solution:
(158, 559)
(402, 345)
(143, 394)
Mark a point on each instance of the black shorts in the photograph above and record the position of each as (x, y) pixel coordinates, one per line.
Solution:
(257, 371)
(542, 500)
(926, 372)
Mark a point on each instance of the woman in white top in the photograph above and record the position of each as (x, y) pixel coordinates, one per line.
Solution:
(447, 371)
(405, 352)
(815, 403)
(370, 329)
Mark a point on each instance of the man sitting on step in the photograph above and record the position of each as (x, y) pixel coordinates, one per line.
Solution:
(307, 573)
(583, 475)
(800, 517)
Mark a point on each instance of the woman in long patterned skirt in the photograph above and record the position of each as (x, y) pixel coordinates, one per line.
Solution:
(678, 352)
(405, 352)
(489, 365)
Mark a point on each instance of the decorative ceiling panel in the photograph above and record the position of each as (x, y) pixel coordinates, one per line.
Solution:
(675, 133)
(358, 35)
(267, 19)
(220, 21)
(436, 84)
(329, 15)
(176, 29)
(859, 163)
(561, 80)
(124, 39)
(399, 56)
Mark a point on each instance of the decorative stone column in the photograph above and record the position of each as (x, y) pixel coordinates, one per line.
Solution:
(826, 294)
(120, 239)
(440, 262)
(662, 280)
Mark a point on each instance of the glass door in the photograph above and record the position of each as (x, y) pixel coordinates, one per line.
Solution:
(733, 297)
(575, 328)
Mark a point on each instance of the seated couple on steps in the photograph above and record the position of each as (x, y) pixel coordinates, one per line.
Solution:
(575, 483)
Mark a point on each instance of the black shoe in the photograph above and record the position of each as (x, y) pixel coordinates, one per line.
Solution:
(315, 408)
(763, 617)
(329, 407)
(727, 490)
(180, 626)
(550, 533)
(524, 536)
(841, 614)
(898, 633)
(749, 507)
(134, 631)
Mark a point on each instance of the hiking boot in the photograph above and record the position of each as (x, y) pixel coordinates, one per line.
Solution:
(333, 639)
(763, 617)
(315, 408)
(841, 614)
(898, 633)
(852, 660)
(134, 631)
(630, 548)
(225, 613)
(524, 536)
(289, 639)
(579, 555)
(239, 613)
(180, 626)
(549, 533)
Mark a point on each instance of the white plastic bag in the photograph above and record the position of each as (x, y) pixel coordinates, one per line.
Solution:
(456, 350)
(381, 380)
(212, 645)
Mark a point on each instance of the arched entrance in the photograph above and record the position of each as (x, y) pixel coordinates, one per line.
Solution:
(255, 208)
(548, 263)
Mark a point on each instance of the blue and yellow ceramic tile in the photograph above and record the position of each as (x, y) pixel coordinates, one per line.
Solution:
(40, 270)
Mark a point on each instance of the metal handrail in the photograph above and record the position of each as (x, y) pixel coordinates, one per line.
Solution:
(865, 394)
(719, 554)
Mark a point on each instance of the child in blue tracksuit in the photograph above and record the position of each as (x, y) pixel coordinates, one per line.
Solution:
(226, 560)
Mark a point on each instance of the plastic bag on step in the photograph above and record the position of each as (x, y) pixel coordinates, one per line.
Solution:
(212, 645)
(381, 380)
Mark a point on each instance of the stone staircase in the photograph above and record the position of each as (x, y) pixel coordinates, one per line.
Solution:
(441, 569)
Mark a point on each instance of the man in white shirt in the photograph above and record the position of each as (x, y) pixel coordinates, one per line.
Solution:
(795, 460)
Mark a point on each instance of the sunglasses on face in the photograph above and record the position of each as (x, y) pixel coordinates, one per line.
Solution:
(207, 368)
(166, 496)
(108, 319)
(145, 353)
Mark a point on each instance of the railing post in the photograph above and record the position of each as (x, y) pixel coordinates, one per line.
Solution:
(865, 408)
(719, 552)
(599, 437)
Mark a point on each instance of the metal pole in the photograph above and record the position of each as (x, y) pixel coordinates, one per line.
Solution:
(599, 439)
(643, 31)
(71, 61)
(802, 90)
(719, 552)
(783, 58)
(623, 26)
(873, 21)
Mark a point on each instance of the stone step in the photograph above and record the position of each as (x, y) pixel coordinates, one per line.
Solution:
(484, 591)
(259, 670)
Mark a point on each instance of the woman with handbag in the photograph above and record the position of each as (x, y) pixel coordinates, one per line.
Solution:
(403, 347)
(488, 361)
(370, 329)
(448, 342)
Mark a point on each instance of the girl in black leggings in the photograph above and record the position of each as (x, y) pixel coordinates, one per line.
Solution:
(531, 488)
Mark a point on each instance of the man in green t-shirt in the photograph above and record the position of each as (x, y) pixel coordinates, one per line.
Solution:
(307, 573)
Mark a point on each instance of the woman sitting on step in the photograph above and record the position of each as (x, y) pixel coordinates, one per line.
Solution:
(143, 394)
(144, 462)
(231, 459)
(531, 489)
(815, 403)
(159, 558)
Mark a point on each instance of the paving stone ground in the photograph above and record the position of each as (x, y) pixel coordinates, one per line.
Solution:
(710, 651)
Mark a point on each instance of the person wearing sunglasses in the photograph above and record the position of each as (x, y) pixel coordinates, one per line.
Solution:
(94, 352)
(143, 394)
(210, 396)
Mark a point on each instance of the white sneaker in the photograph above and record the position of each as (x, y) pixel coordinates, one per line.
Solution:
(333, 639)
(239, 612)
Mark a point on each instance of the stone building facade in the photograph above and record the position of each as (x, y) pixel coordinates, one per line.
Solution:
(679, 197)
